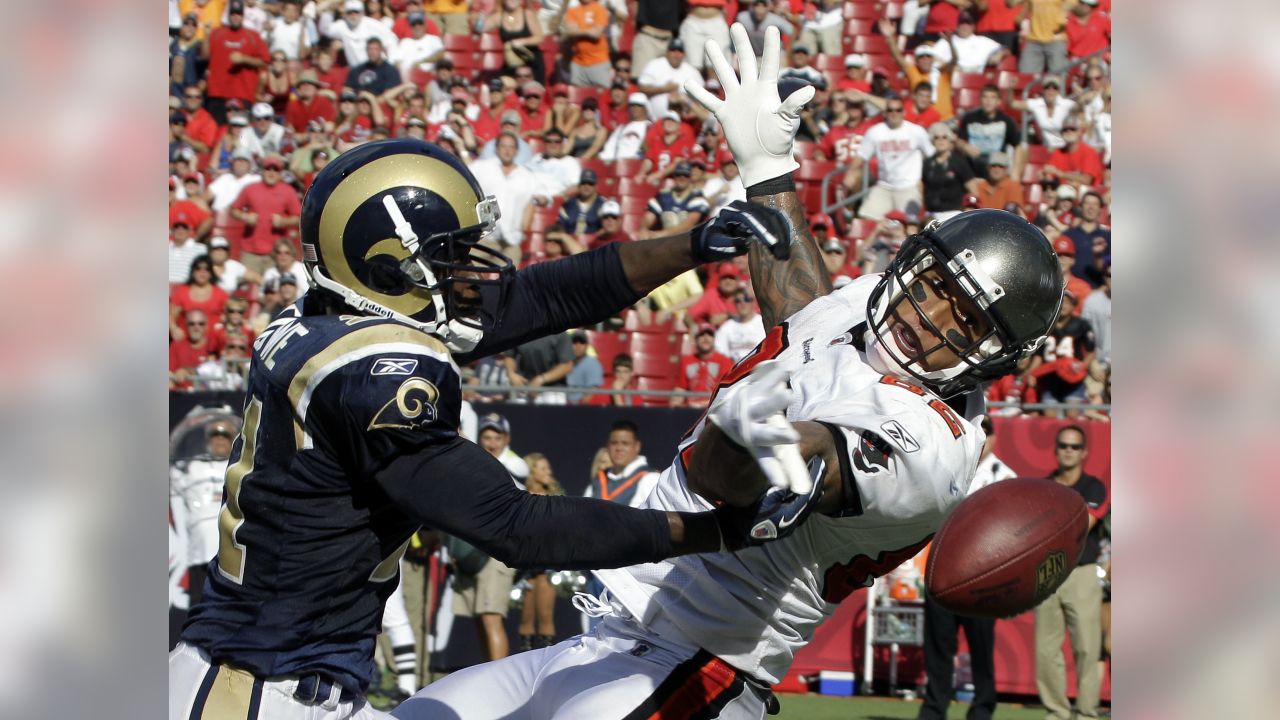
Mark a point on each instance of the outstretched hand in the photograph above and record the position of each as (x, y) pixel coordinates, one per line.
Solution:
(759, 126)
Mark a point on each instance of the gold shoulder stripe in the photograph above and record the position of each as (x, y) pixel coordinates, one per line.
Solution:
(352, 343)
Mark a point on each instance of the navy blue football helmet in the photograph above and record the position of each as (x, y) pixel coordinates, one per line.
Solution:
(392, 228)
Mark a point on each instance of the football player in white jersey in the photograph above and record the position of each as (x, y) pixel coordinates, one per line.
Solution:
(884, 400)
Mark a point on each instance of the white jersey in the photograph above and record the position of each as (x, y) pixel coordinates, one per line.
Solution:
(195, 497)
(909, 455)
(900, 152)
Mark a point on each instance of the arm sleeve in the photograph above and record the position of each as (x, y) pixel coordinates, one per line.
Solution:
(461, 489)
(552, 297)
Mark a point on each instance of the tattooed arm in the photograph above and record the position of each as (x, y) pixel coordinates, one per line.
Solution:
(783, 287)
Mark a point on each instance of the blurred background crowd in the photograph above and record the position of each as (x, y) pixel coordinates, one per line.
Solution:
(574, 116)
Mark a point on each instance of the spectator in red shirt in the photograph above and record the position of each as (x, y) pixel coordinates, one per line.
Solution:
(1066, 249)
(943, 18)
(715, 306)
(615, 111)
(201, 131)
(269, 210)
(533, 114)
(610, 226)
(1088, 30)
(194, 212)
(998, 20)
(623, 378)
(232, 323)
(200, 292)
(848, 126)
(488, 123)
(308, 104)
(329, 74)
(186, 353)
(236, 57)
(1075, 163)
(701, 371)
(855, 74)
(921, 110)
(666, 142)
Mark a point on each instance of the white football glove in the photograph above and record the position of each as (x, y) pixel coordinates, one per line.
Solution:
(750, 413)
(759, 127)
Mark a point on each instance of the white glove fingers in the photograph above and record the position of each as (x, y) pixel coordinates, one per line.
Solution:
(769, 61)
(746, 55)
(724, 72)
(774, 402)
(799, 481)
(768, 373)
(704, 97)
(796, 100)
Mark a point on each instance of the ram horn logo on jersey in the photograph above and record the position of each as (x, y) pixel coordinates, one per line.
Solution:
(394, 366)
(414, 406)
(900, 437)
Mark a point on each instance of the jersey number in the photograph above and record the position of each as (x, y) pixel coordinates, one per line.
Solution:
(230, 552)
(1063, 347)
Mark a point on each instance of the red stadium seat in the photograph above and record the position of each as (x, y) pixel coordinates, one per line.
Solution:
(491, 42)
(814, 170)
(492, 62)
(630, 186)
(578, 93)
(607, 185)
(608, 345)
(871, 44)
(420, 77)
(861, 11)
(859, 26)
(806, 150)
(1032, 173)
(627, 167)
(655, 343)
(461, 43)
(656, 366)
(861, 228)
(1009, 63)
(535, 144)
(631, 321)
(893, 10)
(602, 169)
(652, 383)
(968, 98)
(972, 81)
(632, 224)
(1033, 194)
(1008, 80)
(830, 64)
(534, 244)
(543, 218)
(633, 204)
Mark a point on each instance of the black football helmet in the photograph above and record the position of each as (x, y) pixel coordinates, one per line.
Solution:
(1004, 264)
(392, 228)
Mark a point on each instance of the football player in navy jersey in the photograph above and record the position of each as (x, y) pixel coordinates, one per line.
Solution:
(350, 440)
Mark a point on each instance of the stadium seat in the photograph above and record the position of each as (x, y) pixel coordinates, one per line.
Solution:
(631, 321)
(871, 44)
(1033, 194)
(461, 43)
(972, 81)
(543, 218)
(578, 93)
(1012, 80)
(420, 77)
(632, 224)
(806, 150)
(968, 98)
(830, 64)
(633, 204)
(687, 345)
(535, 144)
(492, 62)
(655, 343)
(859, 26)
(814, 170)
(893, 10)
(534, 245)
(627, 167)
(628, 185)
(1009, 63)
(861, 11)
(653, 383)
(1032, 173)
(602, 169)
(656, 366)
(608, 345)
(491, 42)
(860, 228)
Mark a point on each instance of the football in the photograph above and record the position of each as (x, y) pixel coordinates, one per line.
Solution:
(1006, 548)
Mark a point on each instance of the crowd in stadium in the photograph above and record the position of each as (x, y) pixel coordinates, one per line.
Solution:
(574, 117)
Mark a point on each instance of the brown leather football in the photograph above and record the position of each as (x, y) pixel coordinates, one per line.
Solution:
(1007, 547)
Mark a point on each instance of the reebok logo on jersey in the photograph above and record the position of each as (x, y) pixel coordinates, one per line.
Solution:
(394, 366)
(900, 437)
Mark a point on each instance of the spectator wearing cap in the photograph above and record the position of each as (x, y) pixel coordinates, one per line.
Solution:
(580, 214)
(269, 210)
(947, 174)
(514, 187)
(627, 140)
(610, 226)
(899, 148)
(1075, 163)
(587, 371)
(988, 129)
(490, 371)
(292, 33)
(189, 349)
(716, 303)
(666, 144)
(700, 370)
(229, 144)
(615, 111)
(664, 77)
(998, 20)
(375, 75)
(178, 146)
(230, 272)
(801, 68)
(183, 248)
(856, 75)
(586, 138)
(1063, 212)
(1050, 111)
(1065, 247)
(319, 158)
(532, 109)
(1045, 47)
(743, 331)
(758, 17)
(585, 27)
(192, 210)
(287, 291)
(559, 171)
(705, 21)
(353, 28)
(236, 57)
(185, 64)
(264, 136)
(308, 103)
(925, 66)
(1059, 369)
(199, 292)
(1088, 31)
(420, 50)
(284, 261)
(201, 131)
(677, 209)
(1092, 239)
(973, 53)
(835, 258)
(999, 188)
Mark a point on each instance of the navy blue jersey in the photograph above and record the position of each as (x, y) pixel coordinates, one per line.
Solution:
(580, 218)
(310, 544)
(672, 210)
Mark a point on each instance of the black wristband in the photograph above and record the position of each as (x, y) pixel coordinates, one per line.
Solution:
(780, 184)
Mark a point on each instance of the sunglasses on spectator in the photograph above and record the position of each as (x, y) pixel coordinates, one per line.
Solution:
(1070, 129)
(284, 251)
(237, 347)
(897, 109)
(196, 323)
(237, 311)
(1070, 446)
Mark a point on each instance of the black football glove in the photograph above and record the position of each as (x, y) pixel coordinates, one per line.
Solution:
(774, 515)
(729, 234)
